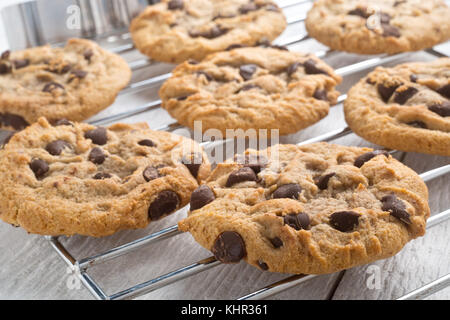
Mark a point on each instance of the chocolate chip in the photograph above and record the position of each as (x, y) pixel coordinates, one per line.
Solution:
(321, 95)
(193, 62)
(22, 63)
(291, 190)
(276, 242)
(246, 8)
(150, 173)
(80, 74)
(417, 124)
(201, 197)
(293, 68)
(442, 109)
(7, 139)
(102, 176)
(207, 76)
(401, 97)
(359, 162)
(234, 46)
(175, 5)
(262, 265)
(246, 71)
(395, 207)
(322, 181)
(5, 55)
(39, 167)
(98, 136)
(399, 2)
(193, 163)
(221, 16)
(445, 91)
(361, 12)
(386, 91)
(311, 68)
(88, 54)
(5, 68)
(385, 18)
(97, 156)
(370, 81)
(182, 98)
(241, 175)
(12, 120)
(344, 221)
(254, 162)
(275, 46)
(248, 87)
(229, 247)
(413, 78)
(214, 32)
(49, 87)
(166, 202)
(298, 221)
(62, 122)
(390, 31)
(56, 147)
(147, 143)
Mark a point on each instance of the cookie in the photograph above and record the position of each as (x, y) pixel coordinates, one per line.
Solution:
(175, 31)
(74, 178)
(314, 209)
(251, 88)
(374, 26)
(406, 107)
(73, 82)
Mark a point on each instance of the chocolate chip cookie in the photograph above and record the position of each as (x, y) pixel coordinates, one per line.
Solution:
(73, 178)
(176, 30)
(251, 88)
(74, 82)
(313, 209)
(406, 107)
(374, 26)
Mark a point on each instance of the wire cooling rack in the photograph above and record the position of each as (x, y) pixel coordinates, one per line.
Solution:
(121, 44)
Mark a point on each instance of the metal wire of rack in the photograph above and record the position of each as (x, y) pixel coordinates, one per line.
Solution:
(83, 265)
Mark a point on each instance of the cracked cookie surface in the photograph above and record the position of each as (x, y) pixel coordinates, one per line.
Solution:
(74, 178)
(311, 209)
(251, 88)
(74, 82)
(177, 30)
(373, 27)
(406, 107)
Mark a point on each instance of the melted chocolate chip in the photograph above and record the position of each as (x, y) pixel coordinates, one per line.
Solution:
(12, 120)
(362, 159)
(262, 265)
(221, 16)
(147, 143)
(246, 8)
(321, 95)
(5, 67)
(229, 247)
(175, 5)
(402, 96)
(201, 197)
(214, 32)
(293, 68)
(193, 163)
(49, 87)
(98, 136)
(246, 71)
(7, 139)
(55, 148)
(62, 122)
(291, 190)
(102, 176)
(360, 12)
(322, 181)
(22, 63)
(417, 124)
(97, 156)
(88, 54)
(276, 242)
(182, 98)
(39, 167)
(386, 91)
(311, 68)
(395, 207)
(390, 31)
(413, 78)
(166, 202)
(235, 46)
(5, 55)
(193, 62)
(150, 173)
(297, 221)
(80, 74)
(206, 75)
(442, 109)
(445, 91)
(248, 87)
(344, 221)
(241, 175)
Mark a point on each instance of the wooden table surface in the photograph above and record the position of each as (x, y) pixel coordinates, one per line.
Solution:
(31, 269)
